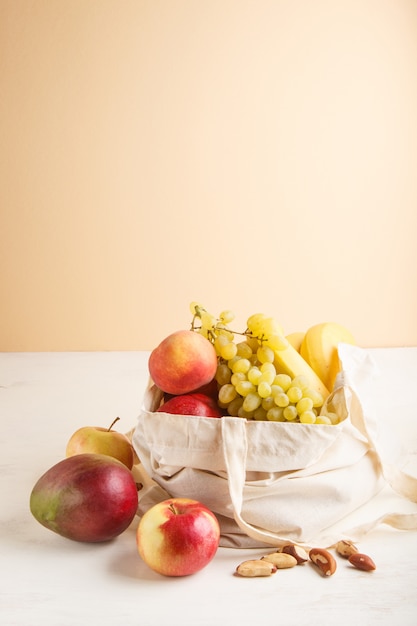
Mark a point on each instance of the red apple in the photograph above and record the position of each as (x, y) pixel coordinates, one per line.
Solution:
(183, 362)
(86, 497)
(191, 404)
(98, 440)
(178, 537)
(210, 389)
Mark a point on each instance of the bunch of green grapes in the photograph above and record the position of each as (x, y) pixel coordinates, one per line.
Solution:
(250, 384)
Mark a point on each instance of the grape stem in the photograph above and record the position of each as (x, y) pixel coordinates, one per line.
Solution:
(246, 333)
(212, 332)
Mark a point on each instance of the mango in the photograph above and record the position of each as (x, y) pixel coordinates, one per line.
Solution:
(86, 497)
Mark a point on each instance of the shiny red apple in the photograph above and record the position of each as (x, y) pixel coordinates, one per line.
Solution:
(178, 537)
(191, 404)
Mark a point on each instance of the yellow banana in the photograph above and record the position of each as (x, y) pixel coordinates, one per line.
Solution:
(319, 349)
(289, 361)
(296, 339)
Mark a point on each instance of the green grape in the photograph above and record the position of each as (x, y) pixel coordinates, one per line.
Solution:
(234, 406)
(268, 373)
(268, 367)
(301, 381)
(323, 419)
(251, 402)
(226, 316)
(290, 413)
(228, 351)
(253, 343)
(254, 374)
(259, 414)
(245, 414)
(227, 393)
(254, 323)
(244, 387)
(232, 360)
(208, 320)
(241, 365)
(315, 396)
(268, 403)
(303, 405)
(223, 374)
(219, 342)
(269, 327)
(203, 331)
(281, 400)
(283, 380)
(266, 377)
(307, 417)
(264, 389)
(265, 354)
(244, 350)
(294, 393)
(276, 389)
(276, 414)
(237, 377)
(194, 307)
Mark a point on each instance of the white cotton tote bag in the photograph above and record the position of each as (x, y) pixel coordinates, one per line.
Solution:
(273, 482)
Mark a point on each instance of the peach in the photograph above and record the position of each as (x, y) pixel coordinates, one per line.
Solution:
(182, 362)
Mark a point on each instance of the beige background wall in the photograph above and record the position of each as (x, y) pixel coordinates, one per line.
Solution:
(251, 154)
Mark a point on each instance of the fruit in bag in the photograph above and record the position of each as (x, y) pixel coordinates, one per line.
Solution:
(319, 349)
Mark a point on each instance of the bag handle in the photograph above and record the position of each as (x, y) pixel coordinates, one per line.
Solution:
(401, 482)
(358, 370)
(235, 447)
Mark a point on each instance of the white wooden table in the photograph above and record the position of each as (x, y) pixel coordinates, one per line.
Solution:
(50, 581)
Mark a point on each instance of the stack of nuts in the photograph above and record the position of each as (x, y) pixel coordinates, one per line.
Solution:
(291, 555)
